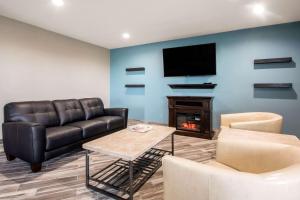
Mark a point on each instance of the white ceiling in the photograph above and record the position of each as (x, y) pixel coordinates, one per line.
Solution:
(102, 22)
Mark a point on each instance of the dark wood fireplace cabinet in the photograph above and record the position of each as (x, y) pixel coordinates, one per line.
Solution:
(191, 115)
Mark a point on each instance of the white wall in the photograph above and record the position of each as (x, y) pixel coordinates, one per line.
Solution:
(36, 64)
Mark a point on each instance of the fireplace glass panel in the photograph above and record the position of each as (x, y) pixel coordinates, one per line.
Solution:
(188, 122)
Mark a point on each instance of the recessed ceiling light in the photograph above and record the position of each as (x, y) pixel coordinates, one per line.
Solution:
(126, 35)
(258, 9)
(58, 3)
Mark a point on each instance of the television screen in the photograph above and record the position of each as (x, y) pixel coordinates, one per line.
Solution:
(194, 60)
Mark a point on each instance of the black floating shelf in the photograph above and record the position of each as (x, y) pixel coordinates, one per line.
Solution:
(273, 60)
(273, 85)
(134, 69)
(135, 85)
(192, 86)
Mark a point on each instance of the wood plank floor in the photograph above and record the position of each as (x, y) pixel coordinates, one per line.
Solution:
(64, 177)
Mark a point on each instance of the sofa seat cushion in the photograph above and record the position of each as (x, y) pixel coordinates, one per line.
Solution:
(90, 127)
(62, 135)
(113, 122)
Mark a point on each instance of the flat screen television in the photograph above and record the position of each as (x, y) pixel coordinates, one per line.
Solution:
(196, 60)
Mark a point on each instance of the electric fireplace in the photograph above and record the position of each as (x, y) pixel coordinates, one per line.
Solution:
(191, 115)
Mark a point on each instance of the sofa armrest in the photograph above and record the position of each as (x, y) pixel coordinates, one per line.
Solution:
(25, 140)
(122, 112)
(188, 180)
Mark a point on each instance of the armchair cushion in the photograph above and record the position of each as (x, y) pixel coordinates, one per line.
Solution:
(62, 135)
(219, 165)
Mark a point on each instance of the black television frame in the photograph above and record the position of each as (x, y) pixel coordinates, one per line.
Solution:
(214, 71)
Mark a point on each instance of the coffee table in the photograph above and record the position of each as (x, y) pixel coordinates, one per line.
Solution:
(137, 160)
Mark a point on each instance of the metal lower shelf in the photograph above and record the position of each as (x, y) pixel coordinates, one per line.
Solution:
(114, 179)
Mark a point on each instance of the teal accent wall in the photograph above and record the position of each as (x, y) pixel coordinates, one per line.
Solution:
(235, 77)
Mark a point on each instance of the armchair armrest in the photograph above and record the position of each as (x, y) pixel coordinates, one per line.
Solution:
(227, 119)
(25, 140)
(256, 121)
(189, 180)
(122, 112)
(184, 179)
(273, 126)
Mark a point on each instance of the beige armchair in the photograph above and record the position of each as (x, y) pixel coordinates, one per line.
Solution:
(249, 166)
(256, 121)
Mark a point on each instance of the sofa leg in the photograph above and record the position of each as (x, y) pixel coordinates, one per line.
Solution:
(36, 167)
(9, 157)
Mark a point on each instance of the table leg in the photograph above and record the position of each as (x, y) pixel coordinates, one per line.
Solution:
(172, 141)
(87, 170)
(130, 180)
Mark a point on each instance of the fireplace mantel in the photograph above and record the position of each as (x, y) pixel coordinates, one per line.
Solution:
(190, 97)
(192, 105)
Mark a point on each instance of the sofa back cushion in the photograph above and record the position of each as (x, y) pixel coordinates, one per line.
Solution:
(42, 112)
(93, 107)
(69, 111)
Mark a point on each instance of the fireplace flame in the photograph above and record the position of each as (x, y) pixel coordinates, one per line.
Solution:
(189, 125)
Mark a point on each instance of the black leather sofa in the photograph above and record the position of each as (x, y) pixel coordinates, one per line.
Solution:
(39, 130)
